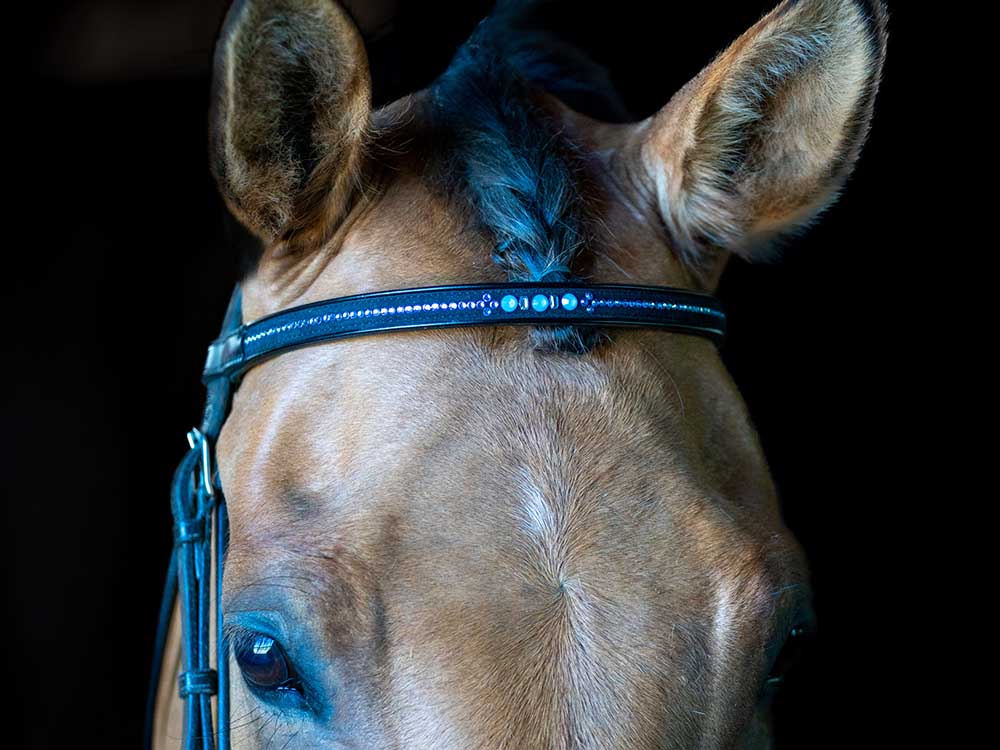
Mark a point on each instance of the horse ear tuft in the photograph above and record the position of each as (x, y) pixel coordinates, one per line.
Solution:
(763, 138)
(291, 101)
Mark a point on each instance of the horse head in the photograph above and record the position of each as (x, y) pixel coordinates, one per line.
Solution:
(549, 537)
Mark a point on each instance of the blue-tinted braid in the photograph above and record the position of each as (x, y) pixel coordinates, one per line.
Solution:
(506, 159)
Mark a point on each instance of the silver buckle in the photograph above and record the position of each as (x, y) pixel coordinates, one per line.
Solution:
(197, 440)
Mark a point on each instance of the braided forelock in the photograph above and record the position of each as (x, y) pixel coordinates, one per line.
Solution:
(521, 178)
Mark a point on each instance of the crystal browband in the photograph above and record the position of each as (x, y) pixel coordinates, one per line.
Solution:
(465, 305)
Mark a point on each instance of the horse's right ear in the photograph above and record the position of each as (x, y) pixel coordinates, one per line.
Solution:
(291, 102)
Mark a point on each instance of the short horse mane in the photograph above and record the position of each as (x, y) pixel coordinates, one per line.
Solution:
(496, 150)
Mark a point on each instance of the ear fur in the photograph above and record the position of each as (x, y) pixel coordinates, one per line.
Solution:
(764, 137)
(291, 103)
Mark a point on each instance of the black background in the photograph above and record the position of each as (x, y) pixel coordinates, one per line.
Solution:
(120, 259)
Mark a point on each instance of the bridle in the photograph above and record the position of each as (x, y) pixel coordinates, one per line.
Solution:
(196, 498)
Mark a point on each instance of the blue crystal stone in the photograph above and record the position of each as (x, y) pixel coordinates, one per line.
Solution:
(569, 301)
(540, 303)
(509, 303)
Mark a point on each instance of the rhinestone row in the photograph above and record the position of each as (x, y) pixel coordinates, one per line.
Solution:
(508, 304)
(647, 305)
(486, 303)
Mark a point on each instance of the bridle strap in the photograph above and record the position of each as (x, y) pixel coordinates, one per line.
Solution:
(199, 511)
(512, 303)
(197, 501)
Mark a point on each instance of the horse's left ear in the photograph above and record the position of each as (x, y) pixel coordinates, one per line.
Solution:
(763, 138)
(291, 102)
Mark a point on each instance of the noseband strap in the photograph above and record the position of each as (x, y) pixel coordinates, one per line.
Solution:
(197, 502)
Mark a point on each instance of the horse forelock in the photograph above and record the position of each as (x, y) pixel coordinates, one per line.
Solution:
(496, 150)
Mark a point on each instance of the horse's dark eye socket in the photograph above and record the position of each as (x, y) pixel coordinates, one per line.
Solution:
(263, 662)
(790, 655)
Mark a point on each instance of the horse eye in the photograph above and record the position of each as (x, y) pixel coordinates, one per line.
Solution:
(790, 655)
(263, 662)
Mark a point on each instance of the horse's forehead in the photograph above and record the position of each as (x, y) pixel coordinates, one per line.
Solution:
(457, 511)
(468, 439)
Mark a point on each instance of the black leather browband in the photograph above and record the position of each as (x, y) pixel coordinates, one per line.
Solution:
(513, 303)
